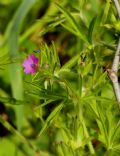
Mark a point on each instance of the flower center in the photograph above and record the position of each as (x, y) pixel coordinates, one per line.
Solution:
(33, 66)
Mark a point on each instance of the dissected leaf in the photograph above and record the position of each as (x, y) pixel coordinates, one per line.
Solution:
(51, 117)
(72, 21)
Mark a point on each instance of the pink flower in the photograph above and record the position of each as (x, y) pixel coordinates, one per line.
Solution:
(31, 64)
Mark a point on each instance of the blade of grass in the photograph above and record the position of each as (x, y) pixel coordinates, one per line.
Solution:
(11, 38)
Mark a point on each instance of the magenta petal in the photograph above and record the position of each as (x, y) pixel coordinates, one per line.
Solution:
(33, 59)
(29, 70)
(30, 64)
(25, 63)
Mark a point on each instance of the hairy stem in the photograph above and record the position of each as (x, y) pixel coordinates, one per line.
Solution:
(113, 73)
(117, 6)
(90, 146)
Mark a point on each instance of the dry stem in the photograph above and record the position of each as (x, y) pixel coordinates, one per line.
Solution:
(113, 73)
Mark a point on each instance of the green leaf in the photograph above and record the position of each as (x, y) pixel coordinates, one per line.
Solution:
(73, 22)
(46, 96)
(70, 63)
(55, 56)
(51, 117)
(50, 26)
(11, 101)
(106, 12)
(90, 30)
(51, 11)
(108, 45)
(101, 78)
(80, 84)
(87, 68)
(103, 125)
(115, 132)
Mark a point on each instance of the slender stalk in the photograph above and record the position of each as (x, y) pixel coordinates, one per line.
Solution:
(113, 73)
(117, 6)
(114, 70)
(116, 59)
(90, 146)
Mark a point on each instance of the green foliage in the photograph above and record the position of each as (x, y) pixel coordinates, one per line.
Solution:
(68, 107)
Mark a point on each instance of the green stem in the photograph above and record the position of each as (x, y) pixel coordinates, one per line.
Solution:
(92, 151)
